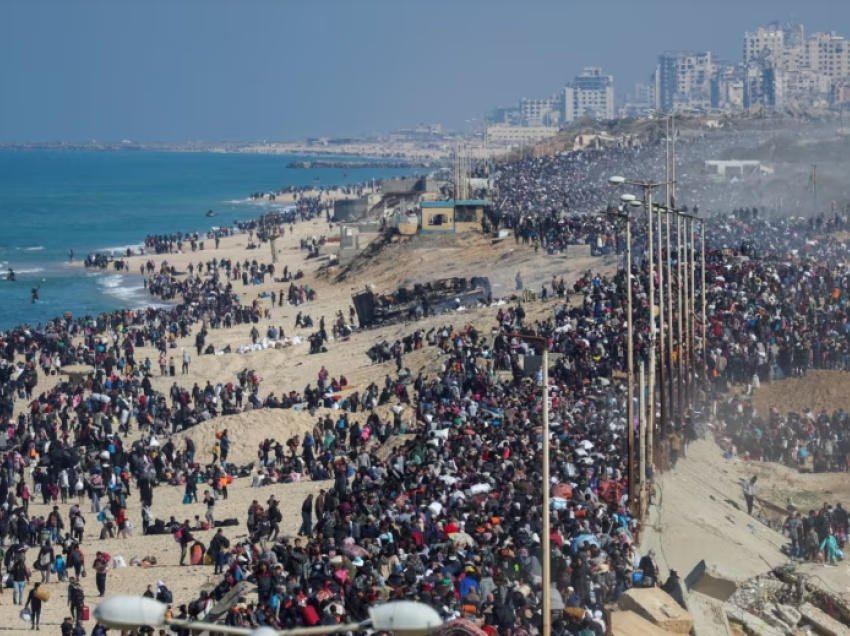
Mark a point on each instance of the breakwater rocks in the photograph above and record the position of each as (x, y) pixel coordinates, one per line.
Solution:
(355, 165)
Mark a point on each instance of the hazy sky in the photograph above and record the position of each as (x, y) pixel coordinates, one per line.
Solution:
(171, 70)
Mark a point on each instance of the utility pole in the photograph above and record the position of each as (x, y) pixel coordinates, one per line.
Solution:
(630, 347)
(547, 530)
(692, 313)
(651, 419)
(662, 374)
(680, 255)
(703, 299)
(669, 361)
(642, 407)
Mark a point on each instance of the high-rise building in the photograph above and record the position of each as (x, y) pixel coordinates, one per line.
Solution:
(589, 94)
(683, 80)
(783, 66)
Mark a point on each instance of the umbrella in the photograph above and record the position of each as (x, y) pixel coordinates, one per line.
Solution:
(462, 538)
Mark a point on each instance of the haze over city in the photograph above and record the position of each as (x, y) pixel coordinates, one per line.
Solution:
(173, 71)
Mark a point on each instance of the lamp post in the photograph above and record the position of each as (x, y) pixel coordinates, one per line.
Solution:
(546, 539)
(403, 618)
(629, 199)
(648, 187)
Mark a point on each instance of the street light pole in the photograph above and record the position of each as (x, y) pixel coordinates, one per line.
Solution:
(669, 361)
(680, 254)
(692, 313)
(547, 531)
(630, 368)
(662, 367)
(702, 294)
(651, 388)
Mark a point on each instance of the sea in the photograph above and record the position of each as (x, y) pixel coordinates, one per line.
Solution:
(96, 201)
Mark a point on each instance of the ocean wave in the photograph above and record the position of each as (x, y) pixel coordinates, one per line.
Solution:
(34, 270)
(122, 249)
(111, 282)
(37, 248)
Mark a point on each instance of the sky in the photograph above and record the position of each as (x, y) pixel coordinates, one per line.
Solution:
(252, 70)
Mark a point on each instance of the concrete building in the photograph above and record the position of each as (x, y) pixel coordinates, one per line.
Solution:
(683, 80)
(539, 112)
(451, 216)
(783, 67)
(502, 134)
(828, 54)
(589, 94)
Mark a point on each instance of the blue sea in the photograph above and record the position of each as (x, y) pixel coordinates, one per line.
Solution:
(54, 201)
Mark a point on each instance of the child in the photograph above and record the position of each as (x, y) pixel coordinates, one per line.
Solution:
(60, 568)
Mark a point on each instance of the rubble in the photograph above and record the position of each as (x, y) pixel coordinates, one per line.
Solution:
(659, 608)
(784, 602)
(822, 622)
(629, 623)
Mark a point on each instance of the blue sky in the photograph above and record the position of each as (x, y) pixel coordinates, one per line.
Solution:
(147, 70)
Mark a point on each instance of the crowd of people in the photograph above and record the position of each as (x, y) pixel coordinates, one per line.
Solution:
(451, 516)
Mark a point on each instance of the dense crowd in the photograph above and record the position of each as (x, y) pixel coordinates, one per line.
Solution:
(452, 515)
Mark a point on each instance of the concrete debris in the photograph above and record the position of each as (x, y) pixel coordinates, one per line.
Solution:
(706, 579)
(632, 624)
(773, 605)
(659, 608)
(709, 615)
(787, 614)
(753, 624)
(823, 623)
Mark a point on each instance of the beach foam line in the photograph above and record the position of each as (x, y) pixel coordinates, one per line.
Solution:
(121, 248)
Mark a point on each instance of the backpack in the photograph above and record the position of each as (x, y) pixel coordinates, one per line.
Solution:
(77, 557)
(79, 523)
(166, 595)
(195, 608)
(178, 536)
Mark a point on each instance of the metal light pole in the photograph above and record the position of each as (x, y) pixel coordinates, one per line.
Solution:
(692, 313)
(647, 190)
(680, 254)
(703, 293)
(547, 531)
(629, 199)
(669, 361)
(662, 367)
(648, 199)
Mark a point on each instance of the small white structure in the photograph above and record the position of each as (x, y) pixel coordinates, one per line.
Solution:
(736, 168)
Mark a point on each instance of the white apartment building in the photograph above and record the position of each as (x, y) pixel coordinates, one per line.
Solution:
(539, 112)
(828, 54)
(503, 134)
(590, 94)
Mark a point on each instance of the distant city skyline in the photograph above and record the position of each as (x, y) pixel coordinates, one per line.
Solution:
(255, 70)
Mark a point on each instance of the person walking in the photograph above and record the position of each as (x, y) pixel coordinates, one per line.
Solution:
(184, 536)
(34, 604)
(76, 598)
(219, 547)
(306, 517)
(209, 500)
(186, 360)
(20, 576)
(101, 567)
(750, 493)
